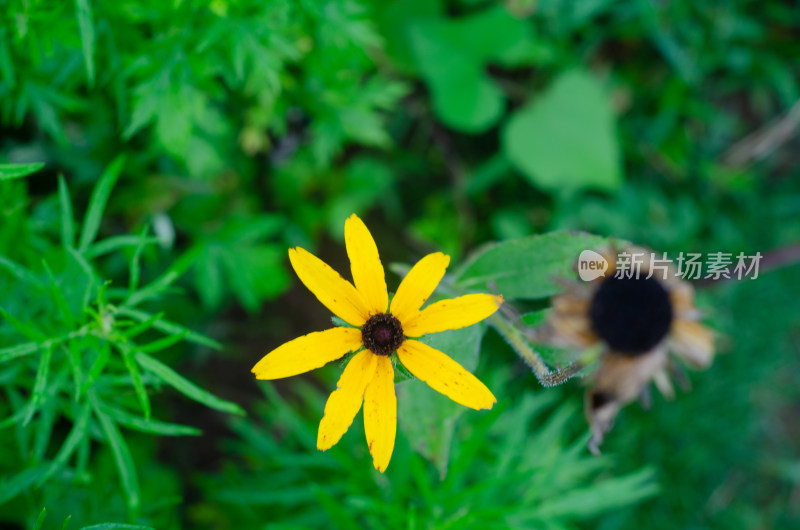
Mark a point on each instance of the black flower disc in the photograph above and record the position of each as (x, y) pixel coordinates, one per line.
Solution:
(632, 315)
(382, 334)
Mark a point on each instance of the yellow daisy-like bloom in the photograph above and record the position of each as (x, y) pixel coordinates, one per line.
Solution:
(635, 322)
(380, 329)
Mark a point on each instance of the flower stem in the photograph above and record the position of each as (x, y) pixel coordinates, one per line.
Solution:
(516, 339)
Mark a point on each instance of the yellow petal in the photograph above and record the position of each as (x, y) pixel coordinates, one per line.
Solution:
(335, 293)
(365, 264)
(444, 375)
(380, 414)
(418, 285)
(307, 353)
(454, 313)
(344, 402)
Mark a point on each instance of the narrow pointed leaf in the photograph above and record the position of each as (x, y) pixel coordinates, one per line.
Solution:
(97, 203)
(15, 171)
(67, 221)
(185, 387)
(122, 458)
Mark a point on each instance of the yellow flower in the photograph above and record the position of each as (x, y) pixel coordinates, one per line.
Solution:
(380, 329)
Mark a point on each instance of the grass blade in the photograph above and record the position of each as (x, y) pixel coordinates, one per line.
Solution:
(97, 203)
(185, 387)
(163, 343)
(136, 377)
(165, 280)
(117, 526)
(29, 331)
(74, 358)
(22, 411)
(87, 269)
(78, 432)
(15, 171)
(117, 242)
(86, 25)
(122, 457)
(16, 417)
(19, 271)
(40, 519)
(98, 366)
(59, 299)
(135, 267)
(168, 327)
(141, 327)
(20, 350)
(12, 487)
(67, 221)
(40, 385)
(149, 426)
(44, 428)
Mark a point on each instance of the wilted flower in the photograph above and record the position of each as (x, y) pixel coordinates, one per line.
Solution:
(635, 320)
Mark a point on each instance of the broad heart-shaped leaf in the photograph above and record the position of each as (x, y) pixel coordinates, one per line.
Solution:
(463, 97)
(451, 55)
(565, 139)
(428, 418)
(528, 267)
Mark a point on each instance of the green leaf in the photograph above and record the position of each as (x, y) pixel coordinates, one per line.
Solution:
(136, 378)
(26, 329)
(135, 267)
(464, 98)
(20, 350)
(67, 221)
(452, 55)
(43, 427)
(607, 494)
(141, 327)
(40, 519)
(40, 384)
(208, 277)
(116, 526)
(19, 271)
(78, 432)
(15, 171)
(161, 283)
(122, 457)
(16, 417)
(179, 383)
(86, 25)
(166, 326)
(100, 362)
(163, 343)
(75, 365)
(150, 426)
(90, 279)
(565, 139)
(57, 295)
(97, 203)
(11, 487)
(117, 242)
(528, 267)
(427, 418)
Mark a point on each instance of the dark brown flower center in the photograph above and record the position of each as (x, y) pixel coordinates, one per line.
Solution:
(382, 334)
(632, 315)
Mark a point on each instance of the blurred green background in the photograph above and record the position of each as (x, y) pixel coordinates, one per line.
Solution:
(186, 145)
